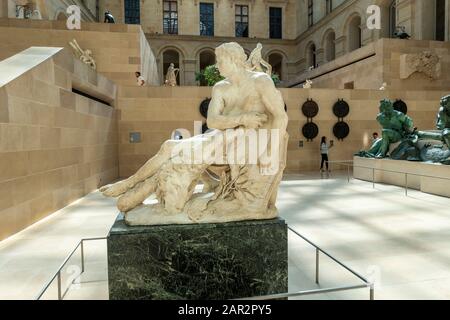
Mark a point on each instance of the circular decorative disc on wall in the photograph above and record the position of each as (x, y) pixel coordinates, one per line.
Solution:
(310, 130)
(204, 107)
(310, 108)
(401, 106)
(341, 130)
(341, 109)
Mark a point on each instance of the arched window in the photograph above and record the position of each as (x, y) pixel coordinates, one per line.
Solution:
(311, 58)
(276, 61)
(354, 33)
(440, 20)
(207, 58)
(330, 48)
(171, 56)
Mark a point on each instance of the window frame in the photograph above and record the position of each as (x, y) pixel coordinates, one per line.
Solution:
(273, 23)
(172, 23)
(209, 25)
(132, 7)
(241, 23)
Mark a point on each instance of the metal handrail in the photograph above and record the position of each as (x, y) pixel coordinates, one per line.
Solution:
(330, 256)
(367, 283)
(345, 163)
(58, 272)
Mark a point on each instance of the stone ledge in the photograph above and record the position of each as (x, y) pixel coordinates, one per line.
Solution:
(426, 183)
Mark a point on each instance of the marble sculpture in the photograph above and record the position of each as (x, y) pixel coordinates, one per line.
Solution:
(84, 55)
(246, 113)
(171, 76)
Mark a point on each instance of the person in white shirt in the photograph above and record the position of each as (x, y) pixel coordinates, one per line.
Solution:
(324, 147)
(140, 79)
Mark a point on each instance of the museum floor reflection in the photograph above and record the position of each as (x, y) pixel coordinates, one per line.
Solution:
(403, 243)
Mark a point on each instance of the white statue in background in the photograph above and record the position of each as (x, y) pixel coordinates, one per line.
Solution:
(255, 62)
(171, 76)
(383, 86)
(307, 84)
(84, 55)
(246, 105)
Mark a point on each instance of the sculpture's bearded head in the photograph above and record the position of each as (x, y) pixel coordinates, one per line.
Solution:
(231, 59)
(386, 106)
(445, 103)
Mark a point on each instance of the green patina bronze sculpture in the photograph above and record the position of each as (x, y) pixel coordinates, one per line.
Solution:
(427, 146)
(396, 127)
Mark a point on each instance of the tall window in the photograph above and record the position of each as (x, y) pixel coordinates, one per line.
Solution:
(440, 20)
(132, 12)
(329, 5)
(207, 19)
(275, 16)
(170, 19)
(241, 21)
(310, 13)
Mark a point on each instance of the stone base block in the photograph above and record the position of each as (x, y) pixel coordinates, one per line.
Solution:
(428, 178)
(204, 261)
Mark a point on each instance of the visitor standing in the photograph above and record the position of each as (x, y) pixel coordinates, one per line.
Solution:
(140, 79)
(324, 147)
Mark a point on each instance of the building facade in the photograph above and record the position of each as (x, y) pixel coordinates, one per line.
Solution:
(298, 36)
(48, 9)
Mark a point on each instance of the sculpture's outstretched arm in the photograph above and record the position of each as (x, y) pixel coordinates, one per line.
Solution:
(75, 49)
(78, 46)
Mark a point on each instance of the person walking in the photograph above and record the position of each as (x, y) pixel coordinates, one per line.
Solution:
(324, 147)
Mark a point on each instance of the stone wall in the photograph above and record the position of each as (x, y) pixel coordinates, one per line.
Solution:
(156, 112)
(116, 47)
(55, 146)
(378, 62)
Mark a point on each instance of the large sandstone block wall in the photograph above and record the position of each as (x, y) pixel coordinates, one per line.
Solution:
(378, 62)
(115, 47)
(55, 146)
(156, 112)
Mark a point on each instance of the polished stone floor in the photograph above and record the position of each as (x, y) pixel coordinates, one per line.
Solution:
(402, 243)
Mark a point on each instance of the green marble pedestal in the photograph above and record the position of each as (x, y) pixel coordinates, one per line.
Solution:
(202, 261)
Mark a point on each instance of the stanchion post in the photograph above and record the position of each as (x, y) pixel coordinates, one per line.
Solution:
(317, 266)
(59, 286)
(406, 184)
(373, 178)
(82, 256)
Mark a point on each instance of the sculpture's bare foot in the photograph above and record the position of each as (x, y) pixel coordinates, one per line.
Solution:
(114, 190)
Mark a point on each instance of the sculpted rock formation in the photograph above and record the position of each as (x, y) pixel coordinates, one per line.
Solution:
(84, 55)
(246, 149)
(426, 62)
